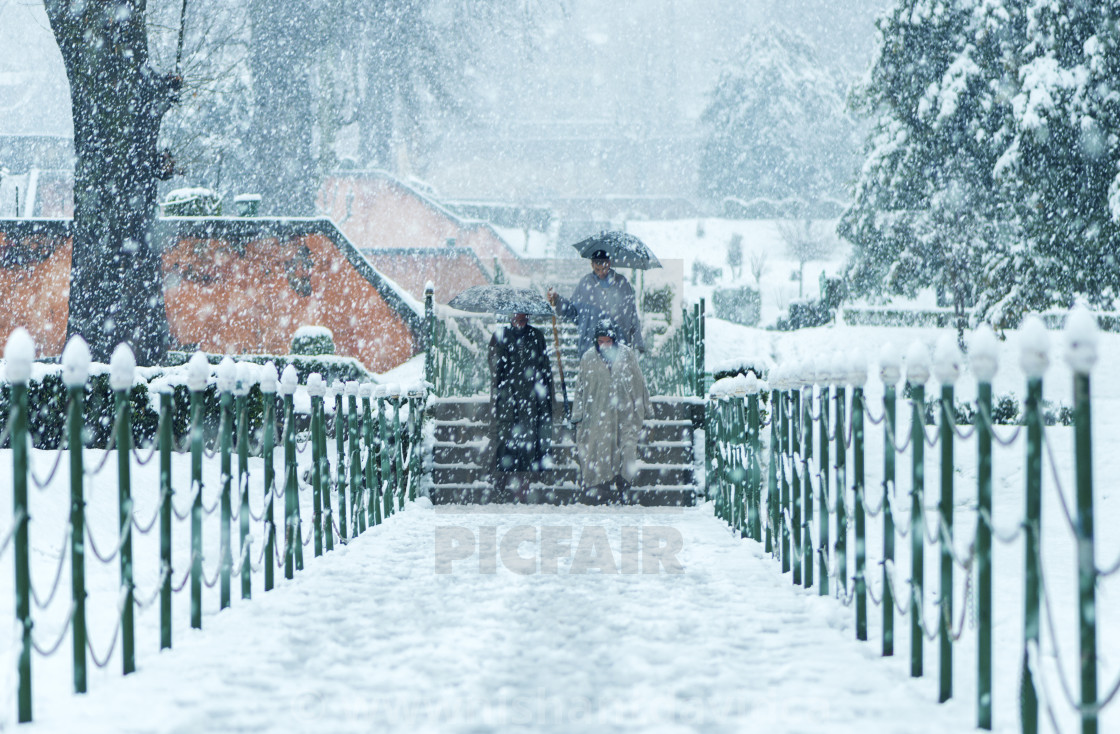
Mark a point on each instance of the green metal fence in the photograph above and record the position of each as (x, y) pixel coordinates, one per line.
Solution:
(676, 366)
(376, 468)
(833, 410)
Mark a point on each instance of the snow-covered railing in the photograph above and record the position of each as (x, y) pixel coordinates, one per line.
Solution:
(377, 467)
(809, 497)
(676, 368)
(455, 365)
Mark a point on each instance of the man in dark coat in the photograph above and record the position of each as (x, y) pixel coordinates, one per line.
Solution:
(601, 294)
(520, 399)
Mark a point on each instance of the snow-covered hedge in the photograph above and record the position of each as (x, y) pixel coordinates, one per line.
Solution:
(312, 341)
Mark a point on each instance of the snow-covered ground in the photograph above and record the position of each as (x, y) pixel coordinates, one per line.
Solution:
(403, 631)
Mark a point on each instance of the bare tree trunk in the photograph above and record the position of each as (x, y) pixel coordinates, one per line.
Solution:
(117, 102)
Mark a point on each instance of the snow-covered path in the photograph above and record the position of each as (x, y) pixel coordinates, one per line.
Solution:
(372, 638)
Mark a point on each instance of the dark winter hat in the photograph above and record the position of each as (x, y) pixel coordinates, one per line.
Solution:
(600, 255)
(606, 327)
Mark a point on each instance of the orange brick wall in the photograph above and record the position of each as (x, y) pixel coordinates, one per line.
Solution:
(252, 298)
(36, 293)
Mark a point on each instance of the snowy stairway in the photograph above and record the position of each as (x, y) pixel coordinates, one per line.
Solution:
(460, 457)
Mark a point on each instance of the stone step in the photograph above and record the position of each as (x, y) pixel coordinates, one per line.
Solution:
(648, 475)
(478, 409)
(681, 496)
(656, 431)
(564, 453)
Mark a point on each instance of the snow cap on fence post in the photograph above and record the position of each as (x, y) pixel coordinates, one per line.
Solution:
(1082, 334)
(890, 365)
(338, 387)
(917, 364)
(857, 368)
(380, 391)
(244, 379)
(352, 388)
(19, 353)
(75, 362)
(316, 387)
(751, 383)
(1034, 347)
(268, 378)
(393, 389)
(227, 375)
(947, 360)
(365, 389)
(983, 353)
(289, 380)
(122, 368)
(198, 372)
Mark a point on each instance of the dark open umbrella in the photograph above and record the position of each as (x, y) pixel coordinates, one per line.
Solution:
(624, 250)
(501, 299)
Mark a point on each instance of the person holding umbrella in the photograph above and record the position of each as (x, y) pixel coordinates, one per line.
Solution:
(602, 293)
(521, 401)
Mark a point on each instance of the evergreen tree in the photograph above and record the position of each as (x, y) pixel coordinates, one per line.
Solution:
(775, 125)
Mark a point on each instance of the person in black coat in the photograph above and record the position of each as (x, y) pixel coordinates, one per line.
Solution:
(520, 399)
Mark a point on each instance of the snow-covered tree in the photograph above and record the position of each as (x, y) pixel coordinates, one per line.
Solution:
(1061, 171)
(989, 171)
(775, 125)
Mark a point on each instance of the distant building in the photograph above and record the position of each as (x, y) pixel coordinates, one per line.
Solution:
(234, 286)
(379, 212)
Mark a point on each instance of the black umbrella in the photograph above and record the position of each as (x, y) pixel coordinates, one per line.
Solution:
(501, 299)
(624, 250)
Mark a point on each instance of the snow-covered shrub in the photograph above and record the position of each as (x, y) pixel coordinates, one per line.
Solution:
(192, 202)
(313, 341)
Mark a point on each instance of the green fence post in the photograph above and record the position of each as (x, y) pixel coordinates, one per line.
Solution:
(1081, 355)
(75, 373)
(772, 541)
(890, 372)
(383, 429)
(325, 481)
(795, 383)
(289, 379)
(742, 503)
(429, 333)
(947, 366)
(167, 494)
(754, 460)
(315, 390)
(917, 374)
(841, 491)
(417, 400)
(269, 387)
(857, 376)
(373, 513)
(806, 457)
(782, 416)
(198, 374)
(711, 450)
(398, 445)
(339, 390)
(241, 394)
(824, 378)
(19, 354)
(983, 356)
(122, 375)
(357, 522)
(1034, 358)
(227, 376)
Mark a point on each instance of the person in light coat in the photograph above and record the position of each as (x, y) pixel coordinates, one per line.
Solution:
(611, 403)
